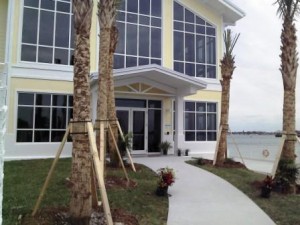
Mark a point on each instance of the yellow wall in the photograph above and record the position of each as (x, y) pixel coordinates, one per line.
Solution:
(3, 16)
(205, 96)
(198, 9)
(31, 85)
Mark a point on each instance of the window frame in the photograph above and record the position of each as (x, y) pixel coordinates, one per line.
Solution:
(124, 57)
(206, 113)
(182, 65)
(70, 49)
(34, 106)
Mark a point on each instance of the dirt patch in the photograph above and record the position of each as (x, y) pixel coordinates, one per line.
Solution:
(227, 164)
(119, 182)
(60, 216)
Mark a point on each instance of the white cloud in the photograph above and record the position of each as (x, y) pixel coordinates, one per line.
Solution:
(256, 88)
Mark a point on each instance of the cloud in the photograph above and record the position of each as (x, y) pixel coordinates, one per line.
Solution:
(256, 88)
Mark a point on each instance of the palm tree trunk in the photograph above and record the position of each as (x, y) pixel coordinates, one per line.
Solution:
(111, 99)
(81, 199)
(222, 149)
(289, 65)
(288, 151)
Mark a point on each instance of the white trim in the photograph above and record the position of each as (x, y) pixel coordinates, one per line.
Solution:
(44, 72)
(9, 31)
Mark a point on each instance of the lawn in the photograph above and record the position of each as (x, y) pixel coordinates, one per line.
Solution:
(23, 181)
(283, 209)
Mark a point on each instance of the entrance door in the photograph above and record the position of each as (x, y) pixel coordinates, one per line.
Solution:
(134, 121)
(138, 130)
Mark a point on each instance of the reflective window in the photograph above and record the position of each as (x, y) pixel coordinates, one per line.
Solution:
(200, 121)
(194, 44)
(47, 32)
(139, 23)
(43, 117)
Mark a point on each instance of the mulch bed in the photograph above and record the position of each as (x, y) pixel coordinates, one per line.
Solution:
(227, 163)
(119, 182)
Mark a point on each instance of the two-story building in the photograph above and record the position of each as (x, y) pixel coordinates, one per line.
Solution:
(166, 72)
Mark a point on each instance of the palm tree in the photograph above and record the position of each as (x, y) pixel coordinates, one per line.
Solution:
(227, 68)
(81, 199)
(287, 10)
(111, 106)
(106, 17)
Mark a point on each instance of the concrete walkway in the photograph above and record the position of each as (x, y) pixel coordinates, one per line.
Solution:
(198, 197)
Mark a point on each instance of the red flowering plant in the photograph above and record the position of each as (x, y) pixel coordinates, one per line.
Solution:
(166, 177)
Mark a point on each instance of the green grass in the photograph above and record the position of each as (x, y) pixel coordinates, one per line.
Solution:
(283, 209)
(23, 181)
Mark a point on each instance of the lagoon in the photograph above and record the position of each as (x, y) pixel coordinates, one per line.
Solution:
(252, 147)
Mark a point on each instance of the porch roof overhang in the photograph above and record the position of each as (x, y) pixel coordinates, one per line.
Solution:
(170, 81)
(230, 12)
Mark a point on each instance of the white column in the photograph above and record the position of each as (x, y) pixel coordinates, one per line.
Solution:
(3, 110)
(179, 135)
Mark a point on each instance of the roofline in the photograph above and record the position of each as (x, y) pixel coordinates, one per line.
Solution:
(233, 7)
(154, 67)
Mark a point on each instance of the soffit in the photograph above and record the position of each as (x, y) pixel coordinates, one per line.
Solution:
(229, 11)
(156, 76)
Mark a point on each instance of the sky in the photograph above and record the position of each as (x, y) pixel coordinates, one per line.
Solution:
(256, 97)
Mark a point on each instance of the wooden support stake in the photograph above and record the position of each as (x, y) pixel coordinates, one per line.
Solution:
(94, 189)
(128, 152)
(102, 146)
(217, 145)
(99, 173)
(60, 149)
(118, 152)
(278, 156)
(237, 148)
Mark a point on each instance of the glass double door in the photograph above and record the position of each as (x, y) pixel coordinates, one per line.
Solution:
(135, 121)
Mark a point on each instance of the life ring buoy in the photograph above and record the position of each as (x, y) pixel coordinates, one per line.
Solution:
(265, 153)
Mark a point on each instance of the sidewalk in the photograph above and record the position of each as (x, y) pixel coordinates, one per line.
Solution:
(199, 197)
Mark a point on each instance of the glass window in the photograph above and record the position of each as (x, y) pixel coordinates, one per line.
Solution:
(26, 99)
(124, 102)
(144, 38)
(30, 22)
(62, 30)
(46, 21)
(144, 7)
(121, 41)
(156, 8)
(43, 117)
(189, 48)
(189, 16)
(45, 55)
(47, 32)
(131, 44)
(178, 12)
(179, 67)
(194, 47)
(178, 46)
(118, 61)
(200, 121)
(139, 33)
(155, 43)
(28, 53)
(132, 6)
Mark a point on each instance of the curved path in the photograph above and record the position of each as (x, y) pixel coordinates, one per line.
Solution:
(199, 197)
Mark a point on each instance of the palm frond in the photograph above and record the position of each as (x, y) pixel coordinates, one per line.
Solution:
(229, 41)
(288, 8)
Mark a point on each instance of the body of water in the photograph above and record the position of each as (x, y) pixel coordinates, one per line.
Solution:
(254, 147)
